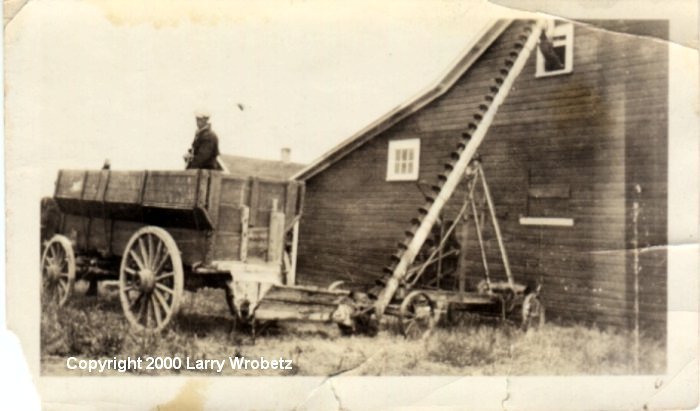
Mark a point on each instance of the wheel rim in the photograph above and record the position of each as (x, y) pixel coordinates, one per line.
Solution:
(57, 271)
(532, 312)
(335, 285)
(150, 279)
(417, 316)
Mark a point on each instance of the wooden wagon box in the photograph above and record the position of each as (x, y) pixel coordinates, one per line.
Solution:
(211, 216)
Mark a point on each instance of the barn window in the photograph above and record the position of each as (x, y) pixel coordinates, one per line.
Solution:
(547, 201)
(556, 54)
(404, 160)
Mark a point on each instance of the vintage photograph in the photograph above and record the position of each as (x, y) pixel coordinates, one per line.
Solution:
(459, 191)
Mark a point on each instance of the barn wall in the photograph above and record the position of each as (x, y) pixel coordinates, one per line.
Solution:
(353, 217)
(594, 131)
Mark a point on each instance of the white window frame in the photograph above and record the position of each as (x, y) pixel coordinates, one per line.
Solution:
(565, 30)
(412, 170)
(547, 221)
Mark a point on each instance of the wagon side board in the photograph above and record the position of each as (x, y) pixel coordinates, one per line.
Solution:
(210, 215)
(247, 210)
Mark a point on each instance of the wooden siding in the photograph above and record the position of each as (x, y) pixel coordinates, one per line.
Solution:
(597, 131)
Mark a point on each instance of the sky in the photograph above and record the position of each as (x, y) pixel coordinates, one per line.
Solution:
(89, 81)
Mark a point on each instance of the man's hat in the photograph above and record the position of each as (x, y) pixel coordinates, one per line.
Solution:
(202, 114)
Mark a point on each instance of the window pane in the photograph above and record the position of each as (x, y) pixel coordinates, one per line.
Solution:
(558, 63)
(403, 160)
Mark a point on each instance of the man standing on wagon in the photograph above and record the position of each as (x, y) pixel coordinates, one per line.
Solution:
(205, 147)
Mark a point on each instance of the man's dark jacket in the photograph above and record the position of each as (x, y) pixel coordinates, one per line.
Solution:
(205, 149)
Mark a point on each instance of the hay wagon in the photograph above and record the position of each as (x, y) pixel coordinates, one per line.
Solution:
(158, 233)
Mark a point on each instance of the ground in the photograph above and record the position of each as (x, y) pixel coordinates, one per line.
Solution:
(95, 328)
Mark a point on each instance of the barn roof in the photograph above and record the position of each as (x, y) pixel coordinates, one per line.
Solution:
(482, 41)
(256, 167)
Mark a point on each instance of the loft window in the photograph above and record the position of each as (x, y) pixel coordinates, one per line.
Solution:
(404, 160)
(555, 54)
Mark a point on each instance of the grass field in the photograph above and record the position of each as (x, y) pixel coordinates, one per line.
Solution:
(94, 327)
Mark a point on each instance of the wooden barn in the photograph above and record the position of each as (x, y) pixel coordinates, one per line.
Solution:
(571, 151)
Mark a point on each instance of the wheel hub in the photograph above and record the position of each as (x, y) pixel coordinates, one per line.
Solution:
(147, 280)
(53, 272)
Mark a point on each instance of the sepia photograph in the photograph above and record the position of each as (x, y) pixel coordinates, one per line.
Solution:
(426, 200)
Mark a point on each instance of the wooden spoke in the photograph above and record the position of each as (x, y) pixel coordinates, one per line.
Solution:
(149, 312)
(135, 301)
(144, 254)
(157, 256)
(163, 303)
(164, 288)
(63, 267)
(142, 308)
(156, 310)
(137, 260)
(164, 276)
(150, 248)
(161, 263)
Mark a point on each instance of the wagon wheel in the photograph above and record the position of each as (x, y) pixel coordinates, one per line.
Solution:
(58, 270)
(151, 279)
(417, 313)
(532, 314)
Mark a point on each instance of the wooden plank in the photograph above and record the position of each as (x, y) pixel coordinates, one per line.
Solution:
(292, 274)
(243, 251)
(258, 242)
(254, 201)
(227, 246)
(172, 188)
(233, 190)
(291, 196)
(305, 296)
(278, 310)
(300, 198)
(275, 245)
